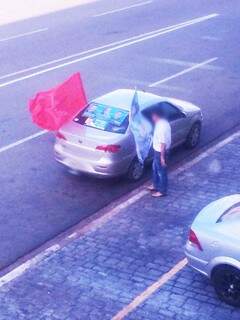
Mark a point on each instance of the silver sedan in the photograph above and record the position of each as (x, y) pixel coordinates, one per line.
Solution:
(98, 140)
(213, 247)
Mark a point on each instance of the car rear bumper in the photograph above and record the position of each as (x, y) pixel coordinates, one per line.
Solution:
(195, 262)
(103, 167)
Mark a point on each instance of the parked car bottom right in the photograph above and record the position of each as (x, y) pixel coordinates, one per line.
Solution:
(213, 246)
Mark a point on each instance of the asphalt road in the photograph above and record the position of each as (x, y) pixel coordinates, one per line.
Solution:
(38, 198)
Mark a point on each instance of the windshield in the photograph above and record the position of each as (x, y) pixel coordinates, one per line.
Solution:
(104, 118)
(231, 214)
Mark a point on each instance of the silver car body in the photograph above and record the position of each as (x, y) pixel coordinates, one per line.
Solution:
(78, 152)
(217, 228)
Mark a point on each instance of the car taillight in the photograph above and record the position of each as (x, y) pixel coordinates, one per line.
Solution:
(194, 239)
(59, 135)
(112, 148)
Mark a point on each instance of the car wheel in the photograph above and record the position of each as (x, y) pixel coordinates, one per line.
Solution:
(226, 281)
(135, 171)
(193, 137)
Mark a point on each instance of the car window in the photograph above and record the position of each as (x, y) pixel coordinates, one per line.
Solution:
(171, 112)
(231, 214)
(105, 118)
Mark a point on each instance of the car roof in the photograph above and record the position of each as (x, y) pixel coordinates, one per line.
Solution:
(122, 98)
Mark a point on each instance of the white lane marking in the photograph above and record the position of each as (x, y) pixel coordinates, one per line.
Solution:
(211, 38)
(123, 9)
(21, 35)
(134, 196)
(92, 52)
(12, 145)
(196, 66)
(21, 141)
(184, 63)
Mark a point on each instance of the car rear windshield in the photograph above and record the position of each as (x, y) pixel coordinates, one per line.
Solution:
(104, 118)
(232, 214)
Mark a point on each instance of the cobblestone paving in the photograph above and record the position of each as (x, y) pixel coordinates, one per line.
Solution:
(97, 275)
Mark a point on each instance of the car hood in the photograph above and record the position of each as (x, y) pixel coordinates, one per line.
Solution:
(212, 212)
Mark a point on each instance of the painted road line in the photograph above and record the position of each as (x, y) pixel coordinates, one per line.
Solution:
(178, 74)
(180, 25)
(101, 217)
(13, 145)
(21, 141)
(123, 9)
(184, 63)
(91, 53)
(21, 35)
(211, 38)
(150, 290)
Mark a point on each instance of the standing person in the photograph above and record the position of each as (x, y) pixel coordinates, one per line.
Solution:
(161, 146)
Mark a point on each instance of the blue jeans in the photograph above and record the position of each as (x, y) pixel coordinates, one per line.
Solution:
(160, 176)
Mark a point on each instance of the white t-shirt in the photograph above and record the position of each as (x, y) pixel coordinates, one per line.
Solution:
(162, 134)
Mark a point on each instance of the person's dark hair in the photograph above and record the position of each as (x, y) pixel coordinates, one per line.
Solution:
(155, 109)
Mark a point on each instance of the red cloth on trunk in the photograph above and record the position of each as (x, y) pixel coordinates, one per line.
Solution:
(51, 109)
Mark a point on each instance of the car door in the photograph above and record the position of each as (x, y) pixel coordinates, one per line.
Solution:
(178, 122)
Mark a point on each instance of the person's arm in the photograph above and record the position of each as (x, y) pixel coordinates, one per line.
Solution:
(163, 154)
(162, 140)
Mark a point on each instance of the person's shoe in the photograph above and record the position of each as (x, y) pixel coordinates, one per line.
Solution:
(150, 188)
(158, 194)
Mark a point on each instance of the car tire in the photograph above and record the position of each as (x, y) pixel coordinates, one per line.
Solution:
(135, 171)
(226, 281)
(193, 137)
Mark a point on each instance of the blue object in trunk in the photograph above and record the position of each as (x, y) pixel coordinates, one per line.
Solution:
(141, 129)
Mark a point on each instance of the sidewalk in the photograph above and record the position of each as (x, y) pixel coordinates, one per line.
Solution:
(12, 10)
(97, 275)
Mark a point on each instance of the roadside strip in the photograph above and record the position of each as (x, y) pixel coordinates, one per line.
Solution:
(12, 11)
(33, 136)
(95, 52)
(97, 220)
